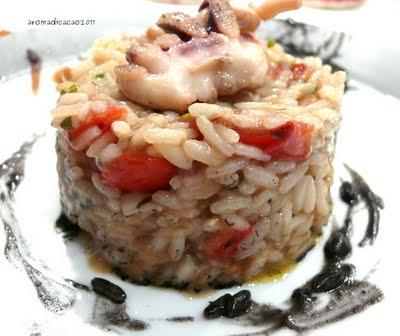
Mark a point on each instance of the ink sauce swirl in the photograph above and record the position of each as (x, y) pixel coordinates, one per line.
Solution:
(346, 295)
(54, 293)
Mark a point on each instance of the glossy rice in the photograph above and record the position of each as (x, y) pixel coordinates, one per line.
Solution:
(160, 237)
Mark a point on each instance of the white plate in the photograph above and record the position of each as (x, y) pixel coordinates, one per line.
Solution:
(367, 142)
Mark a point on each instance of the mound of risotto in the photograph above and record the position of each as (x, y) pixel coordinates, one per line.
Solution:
(197, 155)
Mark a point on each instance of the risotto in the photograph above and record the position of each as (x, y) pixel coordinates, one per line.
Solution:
(209, 194)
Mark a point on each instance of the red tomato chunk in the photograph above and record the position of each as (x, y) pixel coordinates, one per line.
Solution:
(103, 121)
(137, 171)
(291, 140)
(223, 244)
(298, 70)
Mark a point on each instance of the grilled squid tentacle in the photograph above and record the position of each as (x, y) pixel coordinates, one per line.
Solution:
(187, 59)
(222, 18)
(182, 25)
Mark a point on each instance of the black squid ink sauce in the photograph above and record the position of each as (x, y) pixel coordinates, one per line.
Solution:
(346, 295)
(108, 290)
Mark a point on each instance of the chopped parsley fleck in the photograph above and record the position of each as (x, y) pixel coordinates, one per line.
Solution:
(100, 75)
(73, 88)
(270, 43)
(185, 117)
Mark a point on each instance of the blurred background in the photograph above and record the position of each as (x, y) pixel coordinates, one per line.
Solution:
(332, 4)
(371, 52)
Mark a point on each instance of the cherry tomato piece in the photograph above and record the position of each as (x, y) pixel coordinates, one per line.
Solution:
(137, 171)
(223, 244)
(103, 121)
(291, 140)
(298, 70)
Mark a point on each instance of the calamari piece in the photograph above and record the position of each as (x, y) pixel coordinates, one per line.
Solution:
(166, 41)
(182, 25)
(223, 17)
(199, 70)
(219, 14)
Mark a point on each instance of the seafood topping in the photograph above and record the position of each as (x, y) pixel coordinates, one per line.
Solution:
(194, 58)
(201, 69)
(187, 59)
(222, 17)
(182, 25)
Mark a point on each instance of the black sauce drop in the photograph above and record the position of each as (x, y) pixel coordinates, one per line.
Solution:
(108, 290)
(349, 193)
(338, 246)
(216, 308)
(238, 304)
(332, 277)
(302, 299)
(228, 305)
